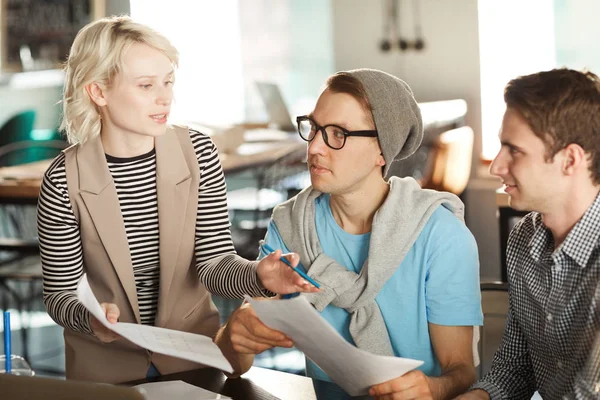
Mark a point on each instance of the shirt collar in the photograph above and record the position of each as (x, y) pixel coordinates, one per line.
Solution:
(580, 242)
(585, 235)
(542, 242)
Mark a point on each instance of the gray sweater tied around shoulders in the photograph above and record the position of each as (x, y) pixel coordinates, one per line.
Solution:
(396, 226)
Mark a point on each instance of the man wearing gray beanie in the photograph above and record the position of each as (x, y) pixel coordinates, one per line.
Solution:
(398, 268)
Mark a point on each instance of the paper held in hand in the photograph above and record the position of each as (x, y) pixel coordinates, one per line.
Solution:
(185, 345)
(355, 370)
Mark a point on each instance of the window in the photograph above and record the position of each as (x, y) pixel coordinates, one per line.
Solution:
(209, 82)
(577, 32)
(515, 38)
(227, 45)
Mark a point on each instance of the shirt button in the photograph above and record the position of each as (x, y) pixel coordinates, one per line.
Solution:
(549, 317)
(558, 268)
(559, 364)
(597, 387)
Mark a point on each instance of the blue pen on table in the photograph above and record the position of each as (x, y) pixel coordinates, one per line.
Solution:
(268, 249)
(7, 349)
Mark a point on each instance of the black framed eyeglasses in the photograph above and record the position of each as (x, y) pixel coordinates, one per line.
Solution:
(334, 136)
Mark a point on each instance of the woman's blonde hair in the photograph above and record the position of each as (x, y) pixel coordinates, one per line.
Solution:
(95, 56)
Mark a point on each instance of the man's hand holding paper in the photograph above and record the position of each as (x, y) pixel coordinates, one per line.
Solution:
(353, 369)
(250, 336)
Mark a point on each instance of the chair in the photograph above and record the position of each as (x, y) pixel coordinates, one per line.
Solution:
(20, 127)
(251, 207)
(16, 231)
(19, 233)
(450, 166)
(17, 128)
(27, 151)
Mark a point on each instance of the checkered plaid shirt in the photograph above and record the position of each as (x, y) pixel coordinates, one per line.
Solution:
(549, 342)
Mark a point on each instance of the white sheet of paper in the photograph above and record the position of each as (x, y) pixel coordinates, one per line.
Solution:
(185, 345)
(355, 370)
(179, 390)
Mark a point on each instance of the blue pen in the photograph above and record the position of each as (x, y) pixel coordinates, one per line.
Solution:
(7, 350)
(268, 249)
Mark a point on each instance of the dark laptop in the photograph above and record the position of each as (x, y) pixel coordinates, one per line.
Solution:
(16, 387)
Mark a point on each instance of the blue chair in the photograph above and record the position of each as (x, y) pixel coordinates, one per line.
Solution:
(17, 128)
(20, 128)
(28, 151)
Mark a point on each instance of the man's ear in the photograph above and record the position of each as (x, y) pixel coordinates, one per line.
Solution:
(96, 93)
(380, 160)
(574, 158)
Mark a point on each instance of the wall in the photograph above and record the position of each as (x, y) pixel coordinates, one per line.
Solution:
(117, 7)
(41, 90)
(448, 68)
(277, 47)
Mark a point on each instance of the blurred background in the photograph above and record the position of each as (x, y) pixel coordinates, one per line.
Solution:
(456, 55)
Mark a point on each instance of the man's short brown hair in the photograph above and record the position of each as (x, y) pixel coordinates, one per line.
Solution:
(562, 106)
(343, 82)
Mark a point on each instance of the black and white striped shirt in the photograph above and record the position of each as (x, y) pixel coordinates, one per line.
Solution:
(554, 314)
(135, 182)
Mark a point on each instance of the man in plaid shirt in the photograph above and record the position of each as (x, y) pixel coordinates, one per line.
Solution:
(550, 163)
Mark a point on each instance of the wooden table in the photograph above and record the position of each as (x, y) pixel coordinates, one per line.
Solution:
(250, 155)
(256, 384)
(21, 184)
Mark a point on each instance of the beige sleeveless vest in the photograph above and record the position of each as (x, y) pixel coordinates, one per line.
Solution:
(184, 303)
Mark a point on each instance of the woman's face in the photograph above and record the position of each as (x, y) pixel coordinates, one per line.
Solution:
(139, 99)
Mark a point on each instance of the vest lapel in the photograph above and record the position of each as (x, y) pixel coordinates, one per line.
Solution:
(173, 185)
(100, 197)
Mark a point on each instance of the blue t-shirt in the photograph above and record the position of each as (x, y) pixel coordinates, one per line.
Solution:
(437, 282)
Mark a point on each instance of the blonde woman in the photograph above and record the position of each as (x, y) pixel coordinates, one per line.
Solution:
(140, 207)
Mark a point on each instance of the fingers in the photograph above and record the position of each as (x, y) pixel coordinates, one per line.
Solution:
(248, 345)
(251, 326)
(275, 256)
(409, 394)
(413, 385)
(112, 312)
(250, 335)
(301, 284)
(278, 277)
(293, 258)
(105, 335)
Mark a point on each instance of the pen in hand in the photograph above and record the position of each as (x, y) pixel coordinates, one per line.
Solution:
(268, 249)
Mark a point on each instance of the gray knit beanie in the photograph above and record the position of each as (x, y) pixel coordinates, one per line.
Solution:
(396, 114)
